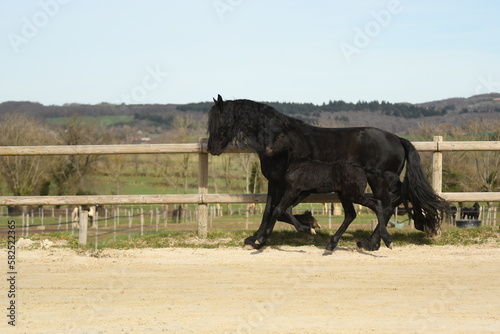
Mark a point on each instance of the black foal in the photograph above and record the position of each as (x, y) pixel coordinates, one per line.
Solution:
(348, 180)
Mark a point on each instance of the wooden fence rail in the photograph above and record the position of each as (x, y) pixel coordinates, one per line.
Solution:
(203, 198)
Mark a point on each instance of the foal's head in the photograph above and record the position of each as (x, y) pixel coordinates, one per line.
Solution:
(280, 144)
(289, 140)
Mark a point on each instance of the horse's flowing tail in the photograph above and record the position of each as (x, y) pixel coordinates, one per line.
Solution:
(427, 206)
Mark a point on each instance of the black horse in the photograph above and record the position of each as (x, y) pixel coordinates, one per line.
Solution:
(349, 181)
(470, 213)
(255, 125)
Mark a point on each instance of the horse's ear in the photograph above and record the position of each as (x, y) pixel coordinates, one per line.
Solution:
(219, 102)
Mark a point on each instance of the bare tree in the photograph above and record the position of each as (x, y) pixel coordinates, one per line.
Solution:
(115, 168)
(24, 175)
(466, 171)
(246, 161)
(487, 164)
(185, 125)
(69, 172)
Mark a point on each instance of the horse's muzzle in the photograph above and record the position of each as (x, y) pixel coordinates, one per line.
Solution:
(216, 147)
(214, 151)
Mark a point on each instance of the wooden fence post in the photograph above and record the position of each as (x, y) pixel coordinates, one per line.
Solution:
(82, 232)
(27, 225)
(96, 225)
(67, 219)
(437, 170)
(130, 224)
(437, 167)
(165, 215)
(157, 218)
(142, 221)
(114, 224)
(202, 188)
(495, 217)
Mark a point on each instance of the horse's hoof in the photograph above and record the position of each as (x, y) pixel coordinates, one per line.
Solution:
(360, 244)
(331, 247)
(250, 240)
(253, 243)
(367, 245)
(258, 246)
(313, 231)
(389, 245)
(316, 226)
(253, 246)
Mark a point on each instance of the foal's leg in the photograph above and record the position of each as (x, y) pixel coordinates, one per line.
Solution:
(284, 209)
(349, 216)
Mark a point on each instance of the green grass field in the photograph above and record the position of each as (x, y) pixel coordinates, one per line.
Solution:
(102, 120)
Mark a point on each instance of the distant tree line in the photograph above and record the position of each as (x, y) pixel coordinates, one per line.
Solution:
(404, 110)
(165, 121)
(310, 112)
(162, 114)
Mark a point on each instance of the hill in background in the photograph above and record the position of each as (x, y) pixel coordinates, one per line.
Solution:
(155, 119)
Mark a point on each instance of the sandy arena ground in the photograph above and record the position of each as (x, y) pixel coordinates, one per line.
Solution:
(413, 289)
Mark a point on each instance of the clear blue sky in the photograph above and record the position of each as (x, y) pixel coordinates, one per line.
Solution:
(152, 51)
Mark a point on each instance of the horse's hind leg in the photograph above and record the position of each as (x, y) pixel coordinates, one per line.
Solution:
(381, 203)
(382, 226)
(349, 216)
(373, 242)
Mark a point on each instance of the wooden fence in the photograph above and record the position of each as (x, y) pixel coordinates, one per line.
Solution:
(203, 198)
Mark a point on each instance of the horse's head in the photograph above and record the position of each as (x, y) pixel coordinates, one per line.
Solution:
(220, 128)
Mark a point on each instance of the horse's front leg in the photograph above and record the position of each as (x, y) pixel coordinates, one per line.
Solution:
(271, 201)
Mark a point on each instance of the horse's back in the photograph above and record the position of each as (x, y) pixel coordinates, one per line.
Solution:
(368, 147)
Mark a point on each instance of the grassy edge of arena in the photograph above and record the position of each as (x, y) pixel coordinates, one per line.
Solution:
(222, 239)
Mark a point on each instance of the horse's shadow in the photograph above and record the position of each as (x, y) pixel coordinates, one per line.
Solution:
(348, 241)
(351, 250)
(260, 251)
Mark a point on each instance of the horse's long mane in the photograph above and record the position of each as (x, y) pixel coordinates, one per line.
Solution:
(253, 124)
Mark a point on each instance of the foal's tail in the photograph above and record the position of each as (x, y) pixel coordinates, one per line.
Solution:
(428, 207)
